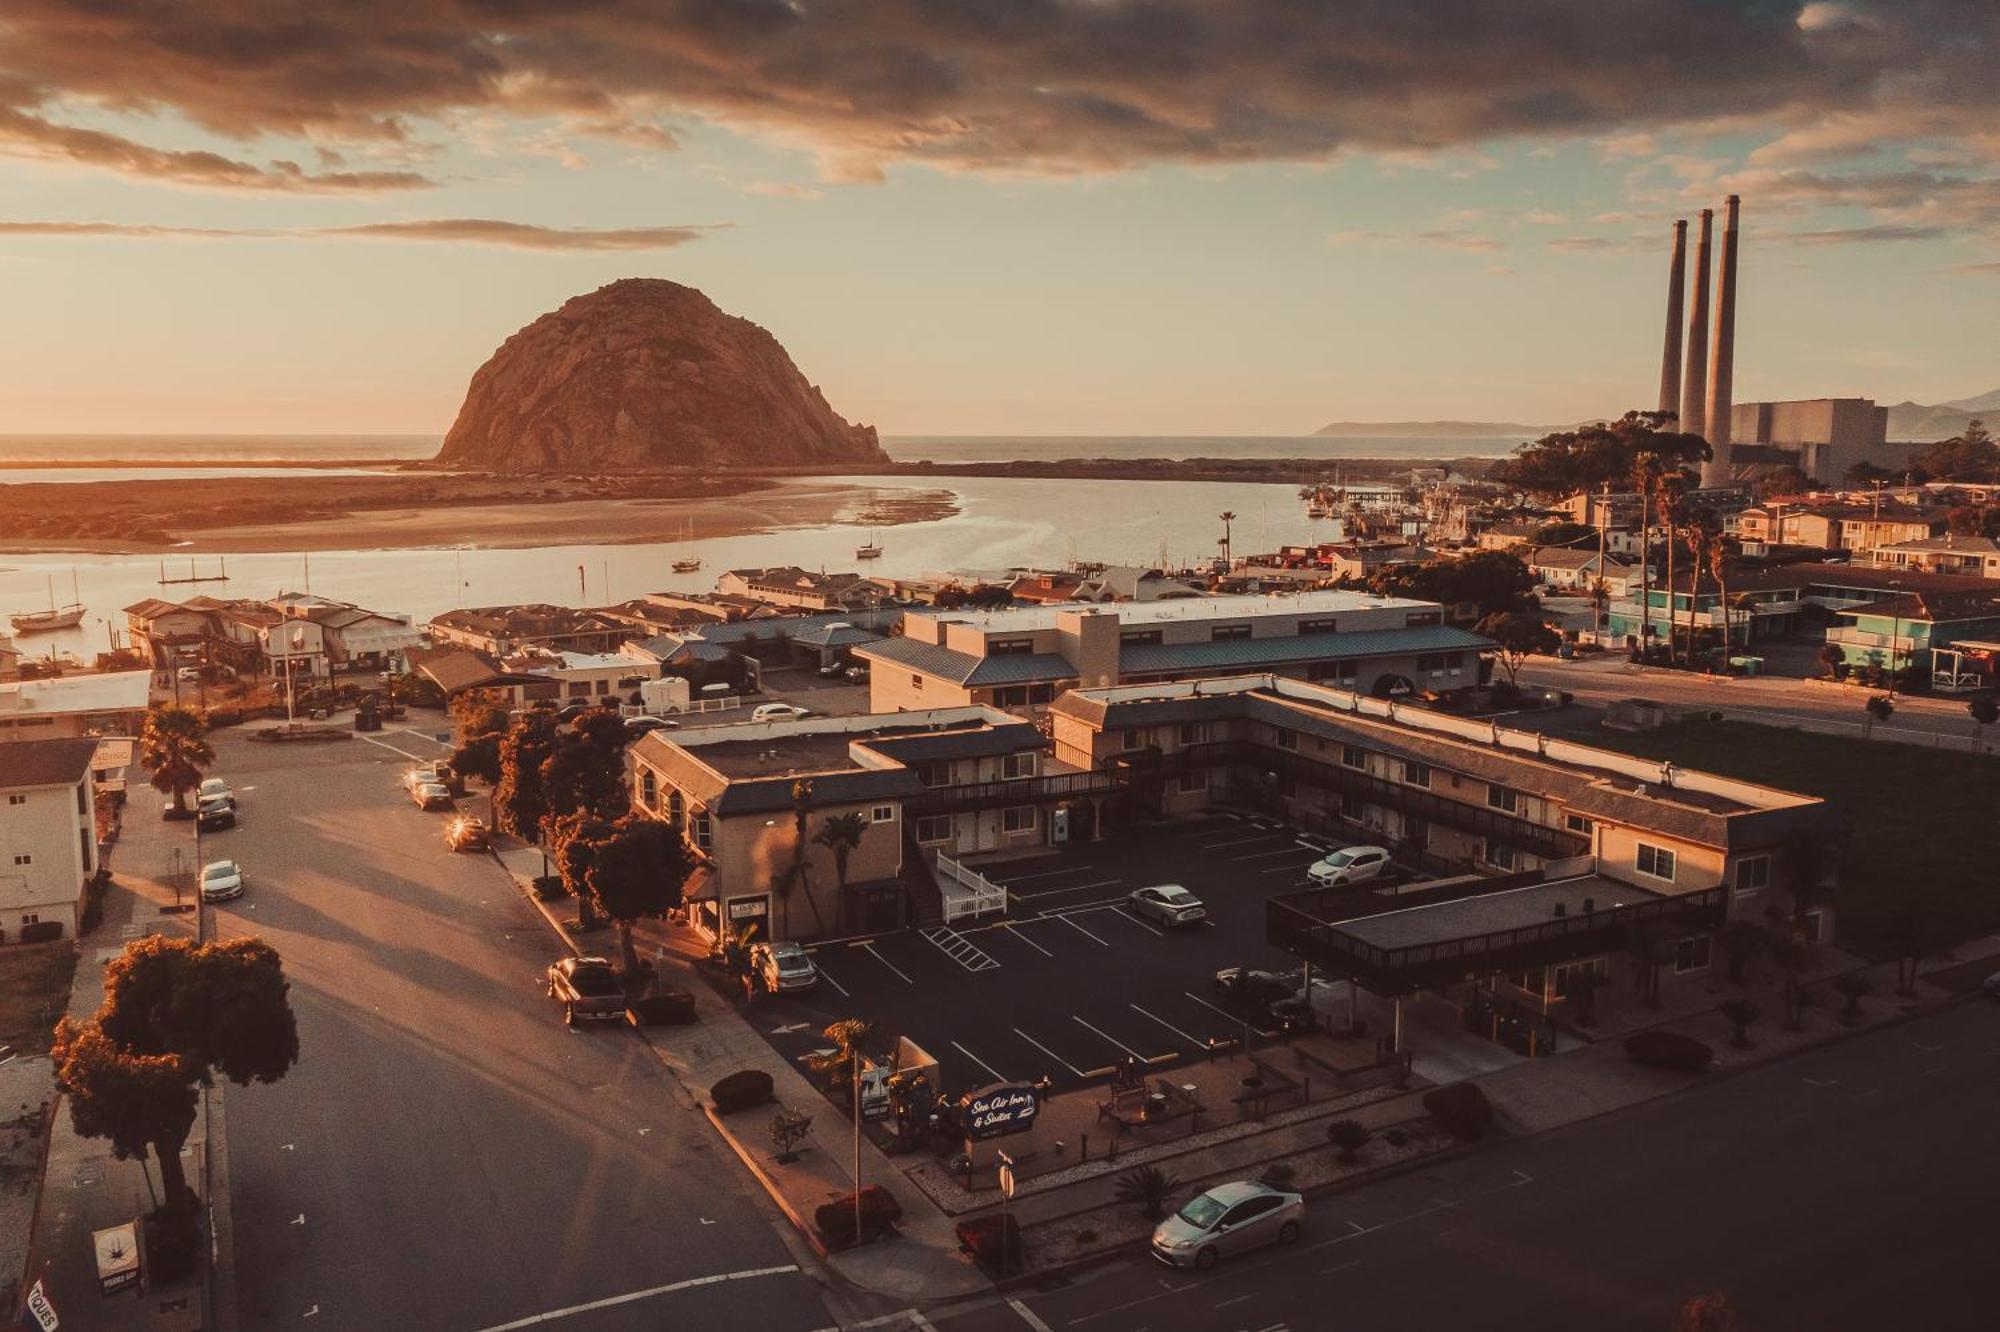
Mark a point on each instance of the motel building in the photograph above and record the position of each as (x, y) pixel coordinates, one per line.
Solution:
(1534, 858)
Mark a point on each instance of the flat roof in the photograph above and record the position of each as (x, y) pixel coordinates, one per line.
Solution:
(1490, 913)
(121, 691)
(1234, 606)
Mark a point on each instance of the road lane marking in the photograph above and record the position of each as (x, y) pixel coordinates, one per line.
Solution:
(1014, 928)
(747, 1274)
(1266, 855)
(1065, 892)
(1121, 911)
(1109, 1037)
(998, 1076)
(825, 976)
(1239, 1299)
(1199, 1045)
(1050, 1053)
(417, 758)
(1029, 1316)
(870, 949)
(1064, 918)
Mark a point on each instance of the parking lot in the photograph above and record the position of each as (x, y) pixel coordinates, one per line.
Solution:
(1071, 982)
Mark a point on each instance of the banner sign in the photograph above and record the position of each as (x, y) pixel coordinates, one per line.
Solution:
(999, 1110)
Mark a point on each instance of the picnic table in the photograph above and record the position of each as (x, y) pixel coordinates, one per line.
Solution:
(1136, 1107)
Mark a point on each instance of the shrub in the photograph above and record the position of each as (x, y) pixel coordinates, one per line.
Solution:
(741, 1090)
(879, 1213)
(1279, 1175)
(994, 1242)
(1462, 1108)
(41, 931)
(1149, 1187)
(1668, 1049)
(1350, 1136)
(549, 887)
(672, 1008)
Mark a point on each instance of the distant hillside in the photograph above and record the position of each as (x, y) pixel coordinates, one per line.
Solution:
(1915, 420)
(1431, 430)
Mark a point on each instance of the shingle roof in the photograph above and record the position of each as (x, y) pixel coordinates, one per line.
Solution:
(1337, 646)
(45, 762)
(929, 658)
(835, 635)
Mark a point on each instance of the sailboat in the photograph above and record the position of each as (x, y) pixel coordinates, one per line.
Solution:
(871, 551)
(688, 563)
(52, 619)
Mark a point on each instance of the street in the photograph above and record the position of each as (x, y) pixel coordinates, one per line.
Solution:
(446, 1154)
(1851, 1187)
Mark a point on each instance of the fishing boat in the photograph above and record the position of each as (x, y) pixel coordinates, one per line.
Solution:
(54, 618)
(688, 563)
(871, 551)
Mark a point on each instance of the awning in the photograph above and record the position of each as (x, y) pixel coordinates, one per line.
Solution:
(382, 638)
(700, 885)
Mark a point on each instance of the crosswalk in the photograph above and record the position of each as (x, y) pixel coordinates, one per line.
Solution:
(960, 949)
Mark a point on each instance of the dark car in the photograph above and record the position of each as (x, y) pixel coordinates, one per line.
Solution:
(1269, 1001)
(215, 815)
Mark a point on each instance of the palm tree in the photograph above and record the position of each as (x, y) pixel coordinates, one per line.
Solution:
(1647, 469)
(841, 834)
(1228, 517)
(838, 1065)
(1149, 1187)
(1672, 499)
(1349, 1136)
(802, 792)
(1718, 563)
(171, 745)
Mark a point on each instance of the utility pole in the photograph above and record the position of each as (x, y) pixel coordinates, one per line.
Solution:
(854, 1061)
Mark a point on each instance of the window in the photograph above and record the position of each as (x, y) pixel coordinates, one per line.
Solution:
(82, 799)
(1416, 774)
(1223, 632)
(1430, 661)
(1194, 733)
(1041, 693)
(1323, 625)
(17, 800)
(676, 809)
(935, 774)
(1418, 619)
(1353, 756)
(936, 828)
(1017, 818)
(1499, 854)
(1133, 739)
(1341, 672)
(1191, 781)
(882, 814)
(1013, 767)
(24, 859)
(31, 918)
(1140, 638)
(1691, 954)
(1568, 971)
(1577, 823)
(1504, 798)
(701, 831)
(1009, 647)
(1753, 874)
(1658, 862)
(1810, 928)
(1287, 739)
(1010, 696)
(649, 788)
(88, 845)
(916, 681)
(579, 689)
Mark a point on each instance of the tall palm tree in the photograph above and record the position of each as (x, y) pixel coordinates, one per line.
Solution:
(841, 834)
(1669, 520)
(171, 744)
(1718, 551)
(837, 1064)
(802, 793)
(1228, 517)
(1647, 469)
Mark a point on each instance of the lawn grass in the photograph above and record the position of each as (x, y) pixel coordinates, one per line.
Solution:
(1920, 824)
(34, 991)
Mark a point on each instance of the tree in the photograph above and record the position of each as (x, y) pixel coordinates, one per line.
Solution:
(1741, 1013)
(175, 1014)
(480, 721)
(171, 744)
(585, 767)
(1970, 455)
(1149, 1188)
(1349, 1136)
(788, 1129)
(519, 801)
(1788, 480)
(1563, 533)
(1671, 497)
(1879, 709)
(1833, 658)
(1228, 517)
(1853, 986)
(1984, 713)
(837, 1065)
(1492, 580)
(1865, 473)
(841, 835)
(572, 841)
(795, 877)
(1518, 635)
(639, 869)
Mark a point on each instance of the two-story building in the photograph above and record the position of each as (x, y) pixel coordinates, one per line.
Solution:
(48, 835)
(99, 703)
(1573, 569)
(1966, 556)
(1915, 628)
(499, 630)
(1024, 657)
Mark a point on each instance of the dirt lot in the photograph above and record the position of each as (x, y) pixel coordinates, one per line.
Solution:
(34, 990)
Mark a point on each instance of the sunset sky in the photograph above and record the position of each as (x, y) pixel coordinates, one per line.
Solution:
(990, 217)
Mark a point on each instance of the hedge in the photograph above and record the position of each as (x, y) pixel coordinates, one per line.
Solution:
(1669, 1049)
(1462, 1108)
(741, 1090)
(994, 1242)
(879, 1213)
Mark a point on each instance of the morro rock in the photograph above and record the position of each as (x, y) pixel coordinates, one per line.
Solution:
(641, 374)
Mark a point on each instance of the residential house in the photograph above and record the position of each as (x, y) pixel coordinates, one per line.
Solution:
(1513, 534)
(456, 670)
(110, 703)
(1572, 569)
(789, 585)
(1774, 600)
(499, 630)
(48, 836)
(585, 676)
(167, 633)
(1023, 657)
(354, 638)
(1911, 628)
(1967, 556)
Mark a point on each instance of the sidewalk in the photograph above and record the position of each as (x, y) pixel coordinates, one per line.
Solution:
(920, 1262)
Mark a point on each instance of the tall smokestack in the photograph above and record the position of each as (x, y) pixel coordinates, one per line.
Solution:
(1722, 366)
(1694, 389)
(1670, 359)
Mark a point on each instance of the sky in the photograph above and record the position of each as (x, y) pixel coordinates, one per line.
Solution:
(990, 216)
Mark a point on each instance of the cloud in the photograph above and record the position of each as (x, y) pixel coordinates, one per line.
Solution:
(783, 190)
(1887, 231)
(1040, 86)
(1595, 244)
(1990, 269)
(464, 230)
(1437, 238)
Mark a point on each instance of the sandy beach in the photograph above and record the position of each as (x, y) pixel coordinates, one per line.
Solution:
(243, 515)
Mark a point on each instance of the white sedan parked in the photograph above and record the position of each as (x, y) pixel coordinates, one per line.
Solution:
(221, 880)
(1167, 903)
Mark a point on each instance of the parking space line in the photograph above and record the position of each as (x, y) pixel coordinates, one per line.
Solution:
(1121, 911)
(998, 1076)
(1221, 1012)
(1064, 918)
(1060, 892)
(1013, 928)
(1199, 1045)
(834, 983)
(1286, 869)
(1050, 1053)
(1239, 841)
(419, 758)
(1042, 874)
(869, 948)
(1266, 855)
(1168, 1057)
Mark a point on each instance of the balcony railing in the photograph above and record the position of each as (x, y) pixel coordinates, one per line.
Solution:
(1017, 791)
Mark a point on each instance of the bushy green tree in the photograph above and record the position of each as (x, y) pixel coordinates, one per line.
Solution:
(171, 744)
(1493, 580)
(638, 869)
(1518, 636)
(519, 802)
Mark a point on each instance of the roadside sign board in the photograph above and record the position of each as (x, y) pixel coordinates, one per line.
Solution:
(41, 1310)
(996, 1111)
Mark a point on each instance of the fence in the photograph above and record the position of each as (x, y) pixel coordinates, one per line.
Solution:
(967, 892)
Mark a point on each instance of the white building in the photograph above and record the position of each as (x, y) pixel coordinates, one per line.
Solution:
(48, 834)
(112, 703)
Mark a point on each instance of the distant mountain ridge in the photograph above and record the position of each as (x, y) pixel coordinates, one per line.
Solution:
(1919, 421)
(1430, 430)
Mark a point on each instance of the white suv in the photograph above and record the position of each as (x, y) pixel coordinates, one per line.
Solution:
(1354, 864)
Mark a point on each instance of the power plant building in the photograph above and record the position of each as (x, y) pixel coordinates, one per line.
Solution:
(1822, 437)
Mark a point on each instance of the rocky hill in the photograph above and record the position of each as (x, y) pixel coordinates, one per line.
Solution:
(643, 374)
(1920, 421)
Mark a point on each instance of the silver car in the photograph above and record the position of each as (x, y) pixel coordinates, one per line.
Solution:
(221, 880)
(1168, 903)
(1228, 1219)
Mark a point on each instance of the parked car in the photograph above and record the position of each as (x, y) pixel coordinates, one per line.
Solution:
(431, 795)
(783, 966)
(1268, 1001)
(215, 789)
(1229, 1219)
(422, 773)
(221, 880)
(1168, 903)
(466, 833)
(638, 726)
(188, 673)
(1353, 864)
(765, 712)
(215, 815)
(833, 670)
(587, 988)
(571, 712)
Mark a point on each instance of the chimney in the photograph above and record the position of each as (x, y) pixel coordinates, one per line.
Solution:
(1694, 387)
(1670, 358)
(1722, 365)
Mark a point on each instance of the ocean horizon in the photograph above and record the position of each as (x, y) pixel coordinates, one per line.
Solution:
(249, 448)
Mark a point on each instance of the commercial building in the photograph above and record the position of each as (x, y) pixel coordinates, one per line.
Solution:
(1025, 657)
(112, 703)
(48, 836)
(1822, 437)
(502, 629)
(311, 636)
(791, 586)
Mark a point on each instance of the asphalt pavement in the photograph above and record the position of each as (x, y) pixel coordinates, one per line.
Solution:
(1848, 1188)
(447, 1155)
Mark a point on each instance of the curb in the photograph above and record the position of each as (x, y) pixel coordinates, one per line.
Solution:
(750, 1162)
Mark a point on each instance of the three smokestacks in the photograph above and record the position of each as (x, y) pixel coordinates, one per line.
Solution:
(1699, 387)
